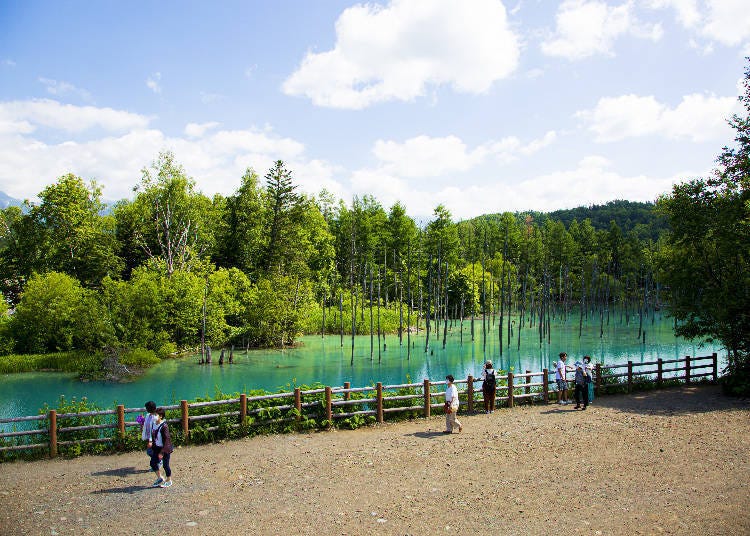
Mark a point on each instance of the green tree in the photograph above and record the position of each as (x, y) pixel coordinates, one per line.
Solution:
(79, 241)
(169, 220)
(55, 313)
(242, 238)
(707, 260)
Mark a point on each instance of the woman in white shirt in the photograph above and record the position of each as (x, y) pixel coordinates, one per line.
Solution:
(451, 406)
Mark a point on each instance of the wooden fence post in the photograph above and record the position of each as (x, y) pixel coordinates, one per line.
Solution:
(329, 412)
(545, 385)
(687, 369)
(243, 408)
(630, 376)
(347, 394)
(510, 389)
(379, 396)
(598, 384)
(185, 419)
(52, 433)
(527, 389)
(121, 421)
(427, 397)
(659, 372)
(470, 393)
(716, 367)
(298, 402)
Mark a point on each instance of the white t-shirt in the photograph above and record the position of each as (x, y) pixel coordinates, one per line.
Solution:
(560, 371)
(451, 395)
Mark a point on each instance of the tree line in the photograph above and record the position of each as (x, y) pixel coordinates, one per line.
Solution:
(172, 268)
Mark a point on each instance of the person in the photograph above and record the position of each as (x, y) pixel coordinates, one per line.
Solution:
(148, 425)
(489, 387)
(588, 369)
(161, 450)
(561, 377)
(451, 406)
(581, 389)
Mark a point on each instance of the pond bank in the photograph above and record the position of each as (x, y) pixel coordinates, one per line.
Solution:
(671, 461)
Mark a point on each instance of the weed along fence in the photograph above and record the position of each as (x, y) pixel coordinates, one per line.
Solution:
(73, 433)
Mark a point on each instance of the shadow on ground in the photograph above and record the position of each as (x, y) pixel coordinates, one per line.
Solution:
(122, 471)
(129, 490)
(682, 400)
(428, 434)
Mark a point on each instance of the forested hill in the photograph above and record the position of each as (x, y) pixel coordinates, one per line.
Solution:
(628, 215)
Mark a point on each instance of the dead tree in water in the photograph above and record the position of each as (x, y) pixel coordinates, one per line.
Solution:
(409, 304)
(429, 298)
(445, 324)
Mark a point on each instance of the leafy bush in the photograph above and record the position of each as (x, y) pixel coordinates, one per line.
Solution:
(139, 358)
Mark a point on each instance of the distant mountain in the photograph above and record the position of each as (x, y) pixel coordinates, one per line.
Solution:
(8, 201)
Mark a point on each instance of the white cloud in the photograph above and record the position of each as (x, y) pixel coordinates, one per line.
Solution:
(61, 88)
(152, 82)
(396, 52)
(589, 27)
(698, 117)
(9, 63)
(425, 156)
(28, 115)
(591, 181)
(723, 21)
(728, 21)
(196, 130)
(215, 158)
(687, 10)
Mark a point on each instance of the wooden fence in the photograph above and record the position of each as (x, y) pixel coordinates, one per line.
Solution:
(377, 401)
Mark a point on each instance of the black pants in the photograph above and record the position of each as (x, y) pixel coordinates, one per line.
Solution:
(164, 459)
(582, 389)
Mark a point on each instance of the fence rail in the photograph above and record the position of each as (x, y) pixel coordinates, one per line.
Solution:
(339, 403)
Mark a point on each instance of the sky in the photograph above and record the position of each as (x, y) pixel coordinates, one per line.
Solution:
(483, 106)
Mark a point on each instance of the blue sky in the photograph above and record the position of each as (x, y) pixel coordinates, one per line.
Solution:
(481, 105)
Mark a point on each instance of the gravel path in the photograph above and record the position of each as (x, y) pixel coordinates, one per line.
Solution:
(671, 462)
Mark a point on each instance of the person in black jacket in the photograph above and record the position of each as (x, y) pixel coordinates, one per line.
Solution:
(161, 450)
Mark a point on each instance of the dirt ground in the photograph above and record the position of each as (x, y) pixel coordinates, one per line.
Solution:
(671, 462)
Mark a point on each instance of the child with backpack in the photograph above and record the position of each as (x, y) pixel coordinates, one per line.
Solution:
(489, 387)
(161, 450)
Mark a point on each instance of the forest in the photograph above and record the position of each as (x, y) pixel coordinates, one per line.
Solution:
(173, 269)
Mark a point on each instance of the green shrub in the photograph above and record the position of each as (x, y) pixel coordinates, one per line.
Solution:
(139, 358)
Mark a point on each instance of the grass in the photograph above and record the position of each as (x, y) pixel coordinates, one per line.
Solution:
(71, 361)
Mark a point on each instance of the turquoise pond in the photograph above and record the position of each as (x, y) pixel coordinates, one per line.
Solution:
(324, 360)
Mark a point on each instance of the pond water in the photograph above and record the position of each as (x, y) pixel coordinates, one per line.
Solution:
(324, 360)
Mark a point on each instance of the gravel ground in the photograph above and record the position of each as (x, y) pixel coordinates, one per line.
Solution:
(671, 462)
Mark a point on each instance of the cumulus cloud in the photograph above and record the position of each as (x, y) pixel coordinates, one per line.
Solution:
(722, 21)
(687, 11)
(30, 114)
(196, 130)
(698, 117)
(215, 158)
(591, 181)
(589, 27)
(152, 82)
(396, 52)
(425, 156)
